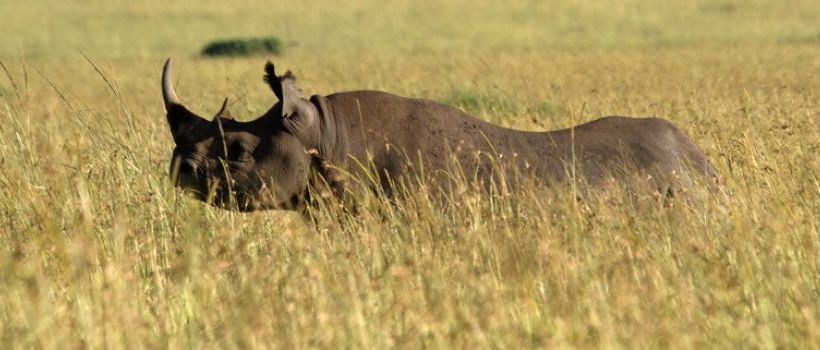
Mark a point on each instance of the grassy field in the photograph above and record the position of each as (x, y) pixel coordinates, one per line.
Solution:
(98, 250)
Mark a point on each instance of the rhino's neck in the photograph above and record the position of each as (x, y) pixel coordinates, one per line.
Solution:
(332, 143)
(329, 148)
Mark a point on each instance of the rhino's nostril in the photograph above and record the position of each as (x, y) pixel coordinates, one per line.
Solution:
(187, 168)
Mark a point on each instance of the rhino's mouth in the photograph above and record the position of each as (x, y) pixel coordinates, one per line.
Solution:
(214, 192)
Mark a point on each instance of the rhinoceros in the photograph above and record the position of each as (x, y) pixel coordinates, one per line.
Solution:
(270, 162)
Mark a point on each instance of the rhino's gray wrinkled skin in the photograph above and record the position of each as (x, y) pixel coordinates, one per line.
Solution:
(266, 162)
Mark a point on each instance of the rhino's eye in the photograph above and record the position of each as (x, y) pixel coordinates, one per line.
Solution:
(186, 168)
(237, 152)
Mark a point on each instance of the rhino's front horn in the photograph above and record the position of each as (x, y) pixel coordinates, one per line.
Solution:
(184, 123)
(168, 93)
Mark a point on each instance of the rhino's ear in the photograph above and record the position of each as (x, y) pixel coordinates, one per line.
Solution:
(285, 89)
(182, 121)
(299, 115)
(273, 80)
(291, 95)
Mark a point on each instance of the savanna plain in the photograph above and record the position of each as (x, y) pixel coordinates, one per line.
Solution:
(98, 250)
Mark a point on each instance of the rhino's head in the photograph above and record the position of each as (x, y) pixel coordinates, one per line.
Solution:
(260, 164)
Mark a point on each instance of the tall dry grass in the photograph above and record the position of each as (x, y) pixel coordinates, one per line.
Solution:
(98, 250)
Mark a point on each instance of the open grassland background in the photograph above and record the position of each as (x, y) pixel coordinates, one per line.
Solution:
(97, 250)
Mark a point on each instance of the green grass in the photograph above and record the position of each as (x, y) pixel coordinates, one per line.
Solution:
(124, 29)
(97, 250)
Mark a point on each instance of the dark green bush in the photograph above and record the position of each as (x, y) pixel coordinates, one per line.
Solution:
(243, 47)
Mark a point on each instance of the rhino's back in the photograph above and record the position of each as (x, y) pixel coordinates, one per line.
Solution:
(387, 112)
(396, 134)
(416, 125)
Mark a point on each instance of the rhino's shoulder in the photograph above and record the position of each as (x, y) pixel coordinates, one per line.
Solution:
(376, 97)
(365, 97)
(383, 105)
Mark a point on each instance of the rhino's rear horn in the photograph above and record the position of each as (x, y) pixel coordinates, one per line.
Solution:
(224, 113)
